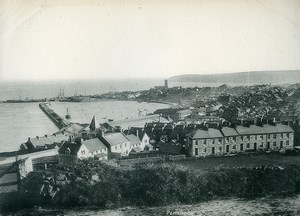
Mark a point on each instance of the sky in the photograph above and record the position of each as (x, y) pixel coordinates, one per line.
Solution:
(118, 39)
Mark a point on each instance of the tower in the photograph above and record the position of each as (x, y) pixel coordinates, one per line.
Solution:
(166, 83)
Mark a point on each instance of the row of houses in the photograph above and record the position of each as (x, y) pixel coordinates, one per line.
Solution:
(241, 138)
(215, 138)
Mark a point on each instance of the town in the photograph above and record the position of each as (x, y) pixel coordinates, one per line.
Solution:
(203, 122)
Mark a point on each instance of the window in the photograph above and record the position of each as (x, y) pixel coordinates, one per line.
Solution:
(274, 143)
(269, 136)
(288, 135)
(220, 141)
(248, 137)
(234, 139)
(234, 147)
(281, 136)
(116, 147)
(248, 145)
(204, 142)
(83, 152)
(287, 142)
(204, 150)
(213, 142)
(274, 136)
(226, 139)
(220, 149)
(196, 143)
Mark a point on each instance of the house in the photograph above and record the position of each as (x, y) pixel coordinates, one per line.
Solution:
(117, 143)
(265, 137)
(241, 138)
(204, 142)
(92, 148)
(71, 152)
(135, 143)
(230, 140)
(44, 142)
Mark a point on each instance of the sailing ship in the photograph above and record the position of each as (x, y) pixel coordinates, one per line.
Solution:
(68, 116)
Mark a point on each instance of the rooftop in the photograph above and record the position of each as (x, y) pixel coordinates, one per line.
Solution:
(206, 134)
(93, 145)
(228, 131)
(115, 138)
(265, 129)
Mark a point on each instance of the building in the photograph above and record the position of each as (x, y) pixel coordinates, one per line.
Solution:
(135, 143)
(265, 137)
(117, 143)
(204, 142)
(230, 140)
(45, 142)
(92, 148)
(241, 138)
(71, 152)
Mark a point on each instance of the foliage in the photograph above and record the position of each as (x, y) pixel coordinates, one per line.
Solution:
(93, 183)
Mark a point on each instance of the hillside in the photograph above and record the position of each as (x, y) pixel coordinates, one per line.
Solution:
(252, 77)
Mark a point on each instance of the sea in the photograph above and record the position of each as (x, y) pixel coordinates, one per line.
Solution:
(19, 121)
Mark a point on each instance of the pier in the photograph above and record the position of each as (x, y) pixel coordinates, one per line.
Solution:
(55, 118)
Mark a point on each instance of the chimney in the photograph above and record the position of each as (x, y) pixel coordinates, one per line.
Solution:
(37, 137)
(28, 138)
(46, 135)
(137, 133)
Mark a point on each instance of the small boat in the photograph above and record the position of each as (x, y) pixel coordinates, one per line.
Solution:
(110, 120)
(68, 116)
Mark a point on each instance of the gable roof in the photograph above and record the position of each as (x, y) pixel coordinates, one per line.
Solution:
(206, 134)
(115, 138)
(42, 141)
(134, 140)
(93, 145)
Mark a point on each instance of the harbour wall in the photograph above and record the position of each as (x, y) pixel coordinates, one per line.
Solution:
(54, 117)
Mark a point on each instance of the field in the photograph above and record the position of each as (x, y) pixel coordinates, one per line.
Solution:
(237, 161)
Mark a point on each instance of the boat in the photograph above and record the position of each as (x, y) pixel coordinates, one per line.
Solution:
(68, 116)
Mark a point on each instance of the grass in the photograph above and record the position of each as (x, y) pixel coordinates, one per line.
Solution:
(238, 161)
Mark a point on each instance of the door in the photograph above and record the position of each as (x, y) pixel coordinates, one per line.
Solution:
(242, 147)
(213, 150)
(196, 151)
(255, 146)
(227, 148)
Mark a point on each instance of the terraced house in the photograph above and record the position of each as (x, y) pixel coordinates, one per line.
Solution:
(230, 140)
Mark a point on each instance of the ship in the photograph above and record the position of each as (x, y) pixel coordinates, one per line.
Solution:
(68, 116)
(71, 99)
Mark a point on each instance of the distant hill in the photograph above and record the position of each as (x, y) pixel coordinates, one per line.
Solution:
(252, 77)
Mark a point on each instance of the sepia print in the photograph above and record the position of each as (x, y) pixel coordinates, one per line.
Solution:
(139, 107)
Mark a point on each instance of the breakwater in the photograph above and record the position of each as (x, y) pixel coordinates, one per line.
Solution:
(55, 118)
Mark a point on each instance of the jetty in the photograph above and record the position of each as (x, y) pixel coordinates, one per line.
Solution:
(55, 118)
